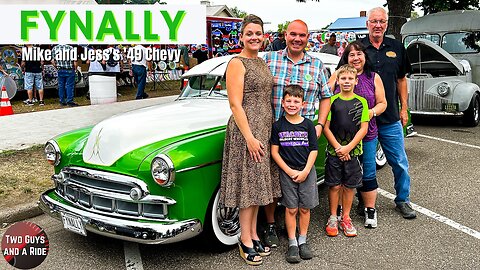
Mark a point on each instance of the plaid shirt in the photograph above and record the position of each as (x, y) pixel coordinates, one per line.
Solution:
(309, 73)
(60, 60)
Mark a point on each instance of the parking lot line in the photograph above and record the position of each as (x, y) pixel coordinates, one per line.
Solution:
(133, 259)
(449, 141)
(435, 216)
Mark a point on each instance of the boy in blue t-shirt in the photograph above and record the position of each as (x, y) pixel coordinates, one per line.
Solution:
(347, 124)
(294, 149)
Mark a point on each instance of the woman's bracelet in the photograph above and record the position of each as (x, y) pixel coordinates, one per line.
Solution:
(336, 149)
(320, 124)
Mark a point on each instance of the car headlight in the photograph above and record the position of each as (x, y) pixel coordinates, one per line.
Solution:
(163, 171)
(443, 89)
(52, 153)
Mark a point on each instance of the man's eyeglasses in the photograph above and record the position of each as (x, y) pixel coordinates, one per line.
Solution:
(375, 22)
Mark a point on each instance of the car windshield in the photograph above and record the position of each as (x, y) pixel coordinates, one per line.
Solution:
(433, 38)
(205, 86)
(461, 42)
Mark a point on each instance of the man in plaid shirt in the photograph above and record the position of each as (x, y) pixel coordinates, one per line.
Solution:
(294, 66)
(66, 73)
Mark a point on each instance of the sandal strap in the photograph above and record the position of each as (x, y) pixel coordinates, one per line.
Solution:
(250, 253)
(259, 247)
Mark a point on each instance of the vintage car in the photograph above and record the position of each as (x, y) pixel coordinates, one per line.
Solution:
(152, 175)
(444, 49)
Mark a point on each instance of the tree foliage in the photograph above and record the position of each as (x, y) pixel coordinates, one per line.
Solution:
(434, 6)
(282, 27)
(238, 12)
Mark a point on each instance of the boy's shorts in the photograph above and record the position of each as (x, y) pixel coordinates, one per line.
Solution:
(31, 79)
(299, 195)
(347, 173)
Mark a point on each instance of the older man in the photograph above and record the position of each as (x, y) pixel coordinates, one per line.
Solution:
(390, 61)
(294, 66)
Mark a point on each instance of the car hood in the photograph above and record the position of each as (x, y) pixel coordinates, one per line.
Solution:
(114, 137)
(426, 55)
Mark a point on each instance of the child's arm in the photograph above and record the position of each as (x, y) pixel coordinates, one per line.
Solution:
(330, 137)
(301, 176)
(279, 160)
(345, 150)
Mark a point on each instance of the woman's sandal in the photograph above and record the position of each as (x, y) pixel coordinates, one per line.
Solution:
(249, 254)
(260, 248)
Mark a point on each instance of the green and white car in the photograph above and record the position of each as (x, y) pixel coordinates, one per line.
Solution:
(152, 175)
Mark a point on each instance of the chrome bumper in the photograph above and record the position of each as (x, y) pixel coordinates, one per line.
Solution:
(129, 230)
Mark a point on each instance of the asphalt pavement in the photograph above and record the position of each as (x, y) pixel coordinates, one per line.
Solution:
(446, 234)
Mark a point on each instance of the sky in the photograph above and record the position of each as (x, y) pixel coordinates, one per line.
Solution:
(317, 15)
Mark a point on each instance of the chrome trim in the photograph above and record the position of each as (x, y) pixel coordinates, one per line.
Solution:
(129, 230)
(437, 113)
(122, 197)
(108, 177)
(320, 180)
(199, 166)
(113, 210)
(57, 149)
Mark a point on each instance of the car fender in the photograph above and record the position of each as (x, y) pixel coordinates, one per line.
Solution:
(197, 173)
(463, 93)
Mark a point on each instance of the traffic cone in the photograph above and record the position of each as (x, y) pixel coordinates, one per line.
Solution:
(5, 106)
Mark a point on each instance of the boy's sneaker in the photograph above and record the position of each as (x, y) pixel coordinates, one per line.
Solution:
(339, 213)
(28, 102)
(34, 100)
(370, 217)
(348, 228)
(332, 226)
(270, 236)
(293, 255)
(305, 251)
(41, 103)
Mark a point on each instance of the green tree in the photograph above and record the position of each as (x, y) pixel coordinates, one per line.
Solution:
(282, 27)
(238, 12)
(434, 6)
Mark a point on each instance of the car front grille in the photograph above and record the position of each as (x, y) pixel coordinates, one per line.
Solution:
(419, 100)
(109, 193)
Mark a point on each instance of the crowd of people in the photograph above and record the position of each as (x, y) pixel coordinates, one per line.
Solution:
(271, 139)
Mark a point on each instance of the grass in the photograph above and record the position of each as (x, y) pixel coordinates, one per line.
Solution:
(25, 174)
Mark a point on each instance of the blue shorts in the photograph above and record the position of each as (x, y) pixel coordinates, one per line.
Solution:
(31, 79)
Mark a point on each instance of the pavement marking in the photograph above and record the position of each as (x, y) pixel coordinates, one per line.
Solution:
(133, 259)
(448, 141)
(435, 216)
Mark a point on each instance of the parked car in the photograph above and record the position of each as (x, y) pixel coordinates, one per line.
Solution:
(152, 175)
(444, 49)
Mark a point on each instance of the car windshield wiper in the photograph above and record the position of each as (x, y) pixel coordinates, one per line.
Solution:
(219, 93)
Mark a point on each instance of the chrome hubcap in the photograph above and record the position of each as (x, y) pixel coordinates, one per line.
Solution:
(476, 111)
(228, 220)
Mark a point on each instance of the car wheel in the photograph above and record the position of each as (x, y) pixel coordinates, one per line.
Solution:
(472, 114)
(380, 157)
(223, 223)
